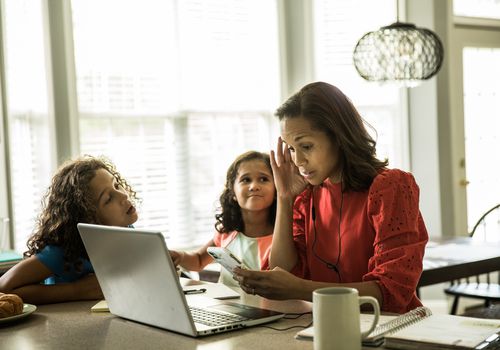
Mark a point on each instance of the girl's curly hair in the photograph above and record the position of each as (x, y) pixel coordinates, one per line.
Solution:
(68, 201)
(230, 218)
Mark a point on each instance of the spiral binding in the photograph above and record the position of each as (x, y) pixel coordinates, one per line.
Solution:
(400, 322)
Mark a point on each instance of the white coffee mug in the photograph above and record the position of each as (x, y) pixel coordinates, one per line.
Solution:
(336, 318)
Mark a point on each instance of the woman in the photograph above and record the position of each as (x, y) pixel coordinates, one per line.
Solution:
(343, 218)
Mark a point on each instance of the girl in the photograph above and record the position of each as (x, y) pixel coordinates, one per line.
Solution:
(343, 217)
(245, 223)
(56, 267)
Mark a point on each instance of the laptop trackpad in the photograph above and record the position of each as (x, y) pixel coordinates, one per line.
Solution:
(243, 310)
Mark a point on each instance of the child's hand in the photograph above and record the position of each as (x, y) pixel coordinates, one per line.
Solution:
(176, 257)
(88, 288)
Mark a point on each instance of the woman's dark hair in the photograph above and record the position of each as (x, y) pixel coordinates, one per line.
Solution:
(68, 201)
(230, 218)
(330, 111)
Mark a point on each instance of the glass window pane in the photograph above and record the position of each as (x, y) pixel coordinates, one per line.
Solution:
(338, 25)
(199, 91)
(482, 130)
(125, 53)
(477, 8)
(228, 54)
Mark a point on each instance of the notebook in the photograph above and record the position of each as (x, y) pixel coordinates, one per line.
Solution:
(365, 320)
(441, 331)
(8, 259)
(140, 283)
(420, 329)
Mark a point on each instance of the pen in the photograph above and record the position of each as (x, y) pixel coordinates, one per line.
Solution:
(195, 291)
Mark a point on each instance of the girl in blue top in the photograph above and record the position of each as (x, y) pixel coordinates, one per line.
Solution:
(56, 267)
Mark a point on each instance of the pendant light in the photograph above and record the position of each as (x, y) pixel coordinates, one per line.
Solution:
(400, 52)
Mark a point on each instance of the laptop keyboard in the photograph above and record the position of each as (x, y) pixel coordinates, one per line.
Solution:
(213, 318)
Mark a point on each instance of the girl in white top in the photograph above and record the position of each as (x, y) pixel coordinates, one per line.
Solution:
(245, 222)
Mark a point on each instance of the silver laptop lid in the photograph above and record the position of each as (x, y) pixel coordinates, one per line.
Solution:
(126, 260)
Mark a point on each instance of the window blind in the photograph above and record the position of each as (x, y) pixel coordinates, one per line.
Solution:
(28, 116)
(199, 92)
(338, 25)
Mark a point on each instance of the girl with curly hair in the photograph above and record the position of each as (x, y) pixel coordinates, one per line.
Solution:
(245, 222)
(56, 267)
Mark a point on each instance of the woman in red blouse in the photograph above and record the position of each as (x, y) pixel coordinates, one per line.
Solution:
(343, 218)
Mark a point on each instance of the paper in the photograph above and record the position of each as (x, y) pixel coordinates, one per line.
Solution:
(101, 306)
(444, 331)
(365, 321)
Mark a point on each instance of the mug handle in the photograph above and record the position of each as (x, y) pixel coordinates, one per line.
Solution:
(376, 309)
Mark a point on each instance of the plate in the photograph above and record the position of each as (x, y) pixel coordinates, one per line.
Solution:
(27, 310)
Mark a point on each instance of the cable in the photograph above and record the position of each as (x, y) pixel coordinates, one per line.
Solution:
(287, 328)
(328, 264)
(296, 315)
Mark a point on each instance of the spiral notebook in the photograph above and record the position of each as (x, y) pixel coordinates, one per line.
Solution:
(420, 329)
(435, 332)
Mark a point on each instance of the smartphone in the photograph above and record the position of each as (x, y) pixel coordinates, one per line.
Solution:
(224, 257)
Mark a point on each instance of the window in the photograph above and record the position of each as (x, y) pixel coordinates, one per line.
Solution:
(481, 126)
(339, 24)
(172, 91)
(173, 111)
(28, 112)
(477, 8)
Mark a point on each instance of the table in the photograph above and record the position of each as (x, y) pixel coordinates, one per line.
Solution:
(455, 258)
(72, 326)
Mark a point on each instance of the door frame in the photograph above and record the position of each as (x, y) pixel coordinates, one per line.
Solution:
(466, 34)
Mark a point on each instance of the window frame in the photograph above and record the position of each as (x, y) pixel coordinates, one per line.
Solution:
(5, 201)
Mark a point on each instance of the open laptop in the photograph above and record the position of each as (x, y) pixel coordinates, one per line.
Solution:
(140, 283)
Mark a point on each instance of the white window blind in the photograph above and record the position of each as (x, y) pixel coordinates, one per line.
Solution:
(338, 25)
(172, 92)
(28, 116)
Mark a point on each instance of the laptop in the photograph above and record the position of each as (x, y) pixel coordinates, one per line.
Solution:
(140, 283)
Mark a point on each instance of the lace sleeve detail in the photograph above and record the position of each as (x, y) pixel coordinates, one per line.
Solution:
(400, 238)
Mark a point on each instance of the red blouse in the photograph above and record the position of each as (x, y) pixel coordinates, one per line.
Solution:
(382, 236)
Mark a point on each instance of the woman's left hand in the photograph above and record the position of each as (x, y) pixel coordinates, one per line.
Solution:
(273, 284)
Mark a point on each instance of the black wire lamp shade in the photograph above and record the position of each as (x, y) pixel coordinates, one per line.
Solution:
(400, 52)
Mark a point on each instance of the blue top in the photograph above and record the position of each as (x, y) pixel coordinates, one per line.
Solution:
(53, 257)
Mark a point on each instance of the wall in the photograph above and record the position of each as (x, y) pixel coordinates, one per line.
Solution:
(424, 133)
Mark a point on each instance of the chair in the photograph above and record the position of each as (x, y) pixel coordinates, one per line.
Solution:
(488, 291)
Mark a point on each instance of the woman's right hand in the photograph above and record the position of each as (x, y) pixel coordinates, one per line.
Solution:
(276, 284)
(287, 179)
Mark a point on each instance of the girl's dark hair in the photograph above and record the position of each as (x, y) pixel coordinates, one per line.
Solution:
(330, 111)
(230, 218)
(68, 201)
